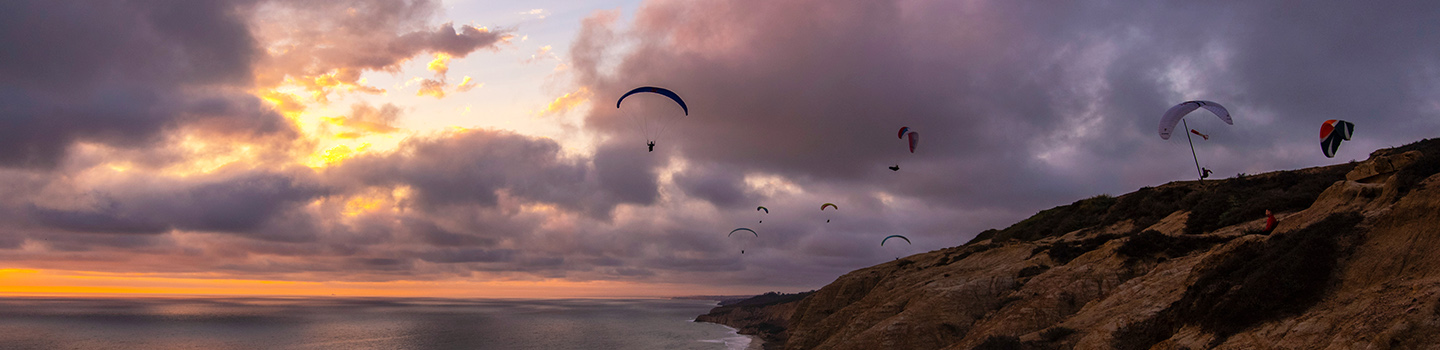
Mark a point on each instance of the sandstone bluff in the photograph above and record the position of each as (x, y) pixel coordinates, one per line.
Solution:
(1354, 263)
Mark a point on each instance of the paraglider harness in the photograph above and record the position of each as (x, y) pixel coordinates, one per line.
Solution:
(652, 146)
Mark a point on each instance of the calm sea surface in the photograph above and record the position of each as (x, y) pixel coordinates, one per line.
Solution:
(352, 324)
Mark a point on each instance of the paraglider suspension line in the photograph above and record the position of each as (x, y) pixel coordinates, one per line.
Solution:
(1192, 151)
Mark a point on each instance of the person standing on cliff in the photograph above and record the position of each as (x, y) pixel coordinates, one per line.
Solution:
(1269, 222)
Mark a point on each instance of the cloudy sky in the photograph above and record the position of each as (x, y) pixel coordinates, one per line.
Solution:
(472, 148)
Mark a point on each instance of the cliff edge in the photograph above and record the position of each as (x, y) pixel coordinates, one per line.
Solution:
(1351, 264)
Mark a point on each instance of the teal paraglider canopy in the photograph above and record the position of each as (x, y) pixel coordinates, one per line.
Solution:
(882, 242)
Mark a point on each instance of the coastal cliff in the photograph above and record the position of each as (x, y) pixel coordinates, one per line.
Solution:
(1352, 263)
(766, 316)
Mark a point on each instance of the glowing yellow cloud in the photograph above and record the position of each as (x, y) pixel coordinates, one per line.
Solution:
(360, 205)
(287, 104)
(334, 155)
(567, 102)
(440, 65)
(466, 85)
(362, 125)
(430, 87)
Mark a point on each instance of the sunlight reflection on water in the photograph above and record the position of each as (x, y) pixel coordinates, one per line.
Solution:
(356, 323)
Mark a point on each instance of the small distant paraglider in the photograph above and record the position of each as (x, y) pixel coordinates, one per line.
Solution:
(882, 242)
(732, 234)
(1177, 114)
(762, 209)
(1331, 133)
(914, 140)
(887, 238)
(828, 205)
(651, 122)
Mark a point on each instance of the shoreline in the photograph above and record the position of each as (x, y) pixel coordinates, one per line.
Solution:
(752, 342)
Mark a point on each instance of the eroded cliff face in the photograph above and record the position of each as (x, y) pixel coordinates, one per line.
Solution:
(1353, 263)
(766, 316)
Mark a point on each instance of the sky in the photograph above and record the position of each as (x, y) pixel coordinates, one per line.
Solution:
(471, 148)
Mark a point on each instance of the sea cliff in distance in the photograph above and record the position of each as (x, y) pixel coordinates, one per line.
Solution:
(1351, 264)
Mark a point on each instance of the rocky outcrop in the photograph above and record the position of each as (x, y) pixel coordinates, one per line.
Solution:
(1382, 162)
(1352, 264)
(766, 316)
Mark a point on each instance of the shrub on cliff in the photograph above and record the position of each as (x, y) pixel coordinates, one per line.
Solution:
(1064, 251)
(1153, 244)
(1428, 164)
(1233, 201)
(1254, 283)
(1054, 221)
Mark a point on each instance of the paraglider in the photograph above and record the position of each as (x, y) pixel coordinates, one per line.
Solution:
(732, 234)
(887, 238)
(882, 242)
(645, 117)
(762, 208)
(1177, 114)
(829, 205)
(914, 140)
(1331, 133)
(1173, 116)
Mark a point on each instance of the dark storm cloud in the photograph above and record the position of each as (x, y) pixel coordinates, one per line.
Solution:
(1019, 105)
(242, 203)
(468, 255)
(716, 184)
(101, 220)
(433, 234)
(629, 175)
(475, 167)
(121, 73)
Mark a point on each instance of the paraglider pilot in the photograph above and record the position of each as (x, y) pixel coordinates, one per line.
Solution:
(1205, 173)
(1269, 222)
(895, 168)
(652, 146)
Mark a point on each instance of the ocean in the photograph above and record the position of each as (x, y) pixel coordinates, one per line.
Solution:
(359, 323)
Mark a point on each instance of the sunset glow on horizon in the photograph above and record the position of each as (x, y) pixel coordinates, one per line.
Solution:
(24, 282)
